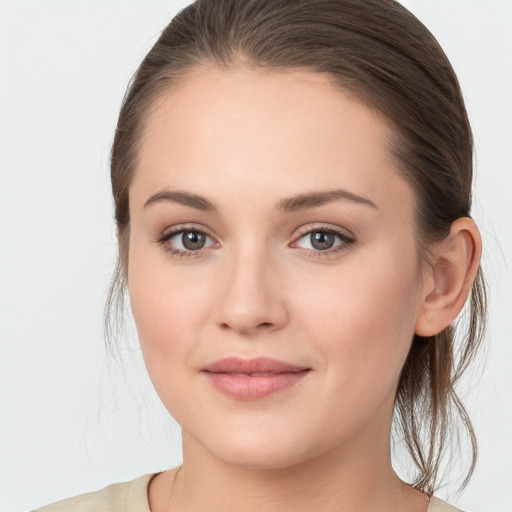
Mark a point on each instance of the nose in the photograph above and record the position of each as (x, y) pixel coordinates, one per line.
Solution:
(251, 298)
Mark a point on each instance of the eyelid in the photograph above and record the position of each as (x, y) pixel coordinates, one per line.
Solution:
(337, 230)
(169, 233)
(346, 237)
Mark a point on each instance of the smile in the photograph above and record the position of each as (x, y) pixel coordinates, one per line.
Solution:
(252, 379)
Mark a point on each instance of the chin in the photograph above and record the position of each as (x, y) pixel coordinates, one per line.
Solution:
(257, 449)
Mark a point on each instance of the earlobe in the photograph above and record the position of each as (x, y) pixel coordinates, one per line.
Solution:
(450, 277)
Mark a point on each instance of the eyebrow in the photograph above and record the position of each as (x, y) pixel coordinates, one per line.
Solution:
(292, 204)
(315, 199)
(172, 196)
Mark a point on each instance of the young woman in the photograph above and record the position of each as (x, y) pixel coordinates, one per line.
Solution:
(292, 186)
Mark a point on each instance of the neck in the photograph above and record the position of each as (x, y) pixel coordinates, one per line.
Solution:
(342, 480)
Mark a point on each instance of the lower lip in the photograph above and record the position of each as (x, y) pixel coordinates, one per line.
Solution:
(245, 387)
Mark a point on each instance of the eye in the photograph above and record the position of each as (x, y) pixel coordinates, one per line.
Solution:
(186, 241)
(323, 240)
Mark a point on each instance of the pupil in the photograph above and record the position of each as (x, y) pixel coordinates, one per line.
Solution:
(321, 240)
(192, 240)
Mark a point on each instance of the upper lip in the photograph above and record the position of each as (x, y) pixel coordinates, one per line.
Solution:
(260, 365)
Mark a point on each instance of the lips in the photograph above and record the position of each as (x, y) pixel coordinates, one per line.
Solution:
(252, 379)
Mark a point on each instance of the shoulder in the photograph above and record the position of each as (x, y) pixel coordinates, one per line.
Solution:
(122, 497)
(438, 505)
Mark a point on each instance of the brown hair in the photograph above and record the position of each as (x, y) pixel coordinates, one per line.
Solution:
(381, 53)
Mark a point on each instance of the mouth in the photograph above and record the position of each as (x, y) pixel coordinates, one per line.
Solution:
(252, 379)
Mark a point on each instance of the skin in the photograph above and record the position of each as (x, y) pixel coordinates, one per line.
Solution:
(246, 141)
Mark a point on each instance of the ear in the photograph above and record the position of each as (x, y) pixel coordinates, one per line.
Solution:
(449, 278)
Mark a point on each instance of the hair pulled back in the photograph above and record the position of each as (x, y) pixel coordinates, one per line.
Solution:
(379, 52)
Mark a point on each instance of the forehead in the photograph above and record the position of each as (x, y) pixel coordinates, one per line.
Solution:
(294, 130)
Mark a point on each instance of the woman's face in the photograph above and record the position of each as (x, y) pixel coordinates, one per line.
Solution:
(273, 270)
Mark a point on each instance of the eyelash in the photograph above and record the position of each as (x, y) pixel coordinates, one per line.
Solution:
(165, 237)
(345, 241)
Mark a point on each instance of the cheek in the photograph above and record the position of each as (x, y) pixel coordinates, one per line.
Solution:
(363, 319)
(169, 306)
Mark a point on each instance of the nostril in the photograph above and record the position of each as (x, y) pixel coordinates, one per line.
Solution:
(263, 325)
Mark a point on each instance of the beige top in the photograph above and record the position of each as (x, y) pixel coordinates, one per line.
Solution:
(133, 497)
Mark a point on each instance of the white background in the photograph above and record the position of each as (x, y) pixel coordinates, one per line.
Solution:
(70, 421)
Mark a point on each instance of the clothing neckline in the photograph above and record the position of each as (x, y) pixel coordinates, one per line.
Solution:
(138, 495)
